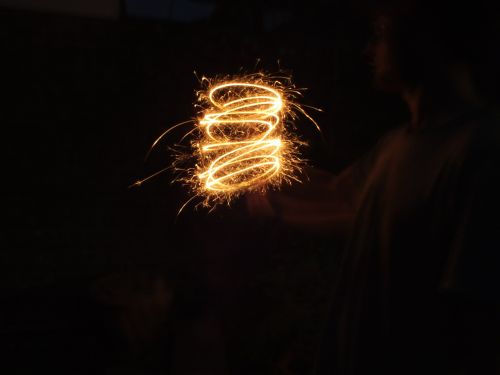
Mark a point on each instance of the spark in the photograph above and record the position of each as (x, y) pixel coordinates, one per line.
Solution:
(242, 141)
(241, 137)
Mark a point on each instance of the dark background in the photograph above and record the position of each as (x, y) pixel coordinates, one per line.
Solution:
(100, 278)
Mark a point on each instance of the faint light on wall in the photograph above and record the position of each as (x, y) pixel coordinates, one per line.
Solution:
(89, 8)
(174, 10)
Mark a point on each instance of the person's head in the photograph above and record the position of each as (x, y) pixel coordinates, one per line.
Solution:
(419, 43)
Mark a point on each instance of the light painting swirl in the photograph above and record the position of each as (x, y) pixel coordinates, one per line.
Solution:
(242, 140)
(242, 137)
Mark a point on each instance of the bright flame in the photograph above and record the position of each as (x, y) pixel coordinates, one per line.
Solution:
(242, 137)
(242, 140)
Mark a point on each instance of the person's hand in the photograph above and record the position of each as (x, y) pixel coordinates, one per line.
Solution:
(259, 205)
(292, 197)
(317, 204)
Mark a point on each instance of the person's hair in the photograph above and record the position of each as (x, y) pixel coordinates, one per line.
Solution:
(427, 37)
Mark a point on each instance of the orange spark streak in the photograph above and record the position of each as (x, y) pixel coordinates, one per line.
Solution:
(242, 136)
(242, 140)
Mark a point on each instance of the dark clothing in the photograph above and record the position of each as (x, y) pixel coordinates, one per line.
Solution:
(419, 286)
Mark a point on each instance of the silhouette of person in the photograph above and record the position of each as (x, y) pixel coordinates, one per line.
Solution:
(418, 287)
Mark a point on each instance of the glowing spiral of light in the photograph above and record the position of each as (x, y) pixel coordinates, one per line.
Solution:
(241, 146)
(243, 140)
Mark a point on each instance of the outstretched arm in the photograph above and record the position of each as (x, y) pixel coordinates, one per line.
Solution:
(323, 203)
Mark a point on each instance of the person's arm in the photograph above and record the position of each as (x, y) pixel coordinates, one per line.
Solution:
(323, 202)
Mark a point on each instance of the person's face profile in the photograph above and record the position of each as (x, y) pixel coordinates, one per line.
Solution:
(381, 54)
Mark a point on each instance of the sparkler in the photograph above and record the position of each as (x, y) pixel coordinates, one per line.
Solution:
(243, 140)
(243, 136)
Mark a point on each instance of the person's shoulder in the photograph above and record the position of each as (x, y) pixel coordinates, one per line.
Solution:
(392, 136)
(482, 154)
(486, 131)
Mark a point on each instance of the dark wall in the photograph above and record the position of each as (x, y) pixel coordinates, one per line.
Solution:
(82, 101)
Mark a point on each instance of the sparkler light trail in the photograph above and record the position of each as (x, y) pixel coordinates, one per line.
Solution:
(243, 139)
